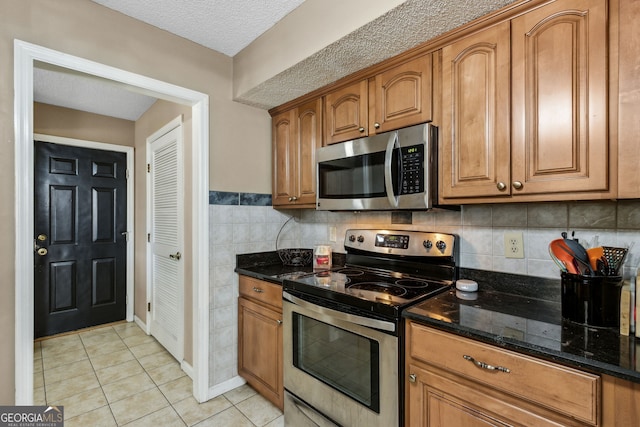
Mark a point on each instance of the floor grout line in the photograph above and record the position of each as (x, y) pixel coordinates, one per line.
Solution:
(87, 340)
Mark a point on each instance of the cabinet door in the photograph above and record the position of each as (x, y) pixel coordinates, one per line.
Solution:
(346, 114)
(260, 349)
(309, 136)
(284, 152)
(436, 400)
(475, 145)
(402, 97)
(559, 100)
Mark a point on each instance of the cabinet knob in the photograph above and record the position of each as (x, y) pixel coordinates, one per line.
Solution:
(412, 378)
(279, 322)
(361, 130)
(501, 186)
(376, 125)
(517, 185)
(291, 199)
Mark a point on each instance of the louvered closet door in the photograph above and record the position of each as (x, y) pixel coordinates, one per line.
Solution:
(166, 239)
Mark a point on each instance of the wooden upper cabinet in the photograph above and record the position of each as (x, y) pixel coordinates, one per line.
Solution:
(283, 130)
(475, 141)
(346, 113)
(309, 136)
(525, 108)
(398, 97)
(402, 96)
(297, 134)
(559, 98)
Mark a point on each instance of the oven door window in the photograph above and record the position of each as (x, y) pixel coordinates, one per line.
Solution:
(356, 177)
(345, 361)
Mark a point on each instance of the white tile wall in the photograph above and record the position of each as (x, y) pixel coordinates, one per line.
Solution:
(247, 229)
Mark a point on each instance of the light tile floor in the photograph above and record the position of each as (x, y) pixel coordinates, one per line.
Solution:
(117, 375)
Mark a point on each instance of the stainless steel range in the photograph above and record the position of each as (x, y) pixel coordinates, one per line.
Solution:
(343, 327)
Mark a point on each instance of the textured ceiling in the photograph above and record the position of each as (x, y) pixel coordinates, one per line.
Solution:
(226, 26)
(230, 25)
(411, 23)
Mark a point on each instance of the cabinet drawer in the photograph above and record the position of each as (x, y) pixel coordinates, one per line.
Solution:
(565, 390)
(259, 290)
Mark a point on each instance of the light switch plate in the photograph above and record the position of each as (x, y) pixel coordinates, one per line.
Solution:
(332, 234)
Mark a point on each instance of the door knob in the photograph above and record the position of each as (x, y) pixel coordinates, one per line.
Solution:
(176, 256)
(42, 251)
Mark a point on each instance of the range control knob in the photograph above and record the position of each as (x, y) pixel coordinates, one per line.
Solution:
(427, 244)
(441, 245)
(352, 238)
(360, 239)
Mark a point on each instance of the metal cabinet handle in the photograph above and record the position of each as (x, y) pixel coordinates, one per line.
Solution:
(376, 125)
(486, 366)
(176, 256)
(258, 290)
(412, 378)
(279, 322)
(501, 186)
(361, 129)
(517, 185)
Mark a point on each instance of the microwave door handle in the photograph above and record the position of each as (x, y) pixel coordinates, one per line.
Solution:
(388, 180)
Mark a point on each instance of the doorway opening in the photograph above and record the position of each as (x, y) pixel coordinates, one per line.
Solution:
(25, 54)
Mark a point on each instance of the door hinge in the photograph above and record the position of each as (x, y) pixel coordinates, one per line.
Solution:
(126, 174)
(149, 237)
(148, 306)
(148, 167)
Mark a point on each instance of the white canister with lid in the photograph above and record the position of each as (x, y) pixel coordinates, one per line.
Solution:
(322, 257)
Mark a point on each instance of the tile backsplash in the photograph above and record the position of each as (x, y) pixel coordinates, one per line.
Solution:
(245, 223)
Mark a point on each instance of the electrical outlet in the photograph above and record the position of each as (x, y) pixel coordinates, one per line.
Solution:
(332, 234)
(513, 245)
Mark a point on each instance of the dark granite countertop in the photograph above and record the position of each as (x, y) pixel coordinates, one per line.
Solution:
(524, 314)
(268, 266)
(518, 313)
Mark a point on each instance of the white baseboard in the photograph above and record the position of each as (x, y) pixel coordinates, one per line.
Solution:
(224, 387)
(140, 323)
(187, 368)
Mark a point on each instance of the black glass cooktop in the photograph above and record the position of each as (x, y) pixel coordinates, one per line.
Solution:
(373, 291)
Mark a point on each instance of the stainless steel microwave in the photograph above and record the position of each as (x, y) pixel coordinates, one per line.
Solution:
(390, 171)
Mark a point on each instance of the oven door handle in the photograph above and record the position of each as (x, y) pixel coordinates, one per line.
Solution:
(388, 179)
(351, 318)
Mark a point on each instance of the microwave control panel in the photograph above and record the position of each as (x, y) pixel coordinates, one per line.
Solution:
(412, 178)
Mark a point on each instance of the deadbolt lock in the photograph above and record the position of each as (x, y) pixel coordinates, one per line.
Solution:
(42, 237)
(42, 251)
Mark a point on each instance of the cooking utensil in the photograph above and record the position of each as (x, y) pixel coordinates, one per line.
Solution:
(615, 257)
(579, 253)
(594, 255)
(559, 263)
(563, 254)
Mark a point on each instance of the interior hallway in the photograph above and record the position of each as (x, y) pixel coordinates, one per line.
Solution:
(117, 375)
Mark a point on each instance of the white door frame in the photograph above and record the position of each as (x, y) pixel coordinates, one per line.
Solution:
(130, 198)
(25, 54)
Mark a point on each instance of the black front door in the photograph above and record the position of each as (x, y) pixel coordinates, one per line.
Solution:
(80, 249)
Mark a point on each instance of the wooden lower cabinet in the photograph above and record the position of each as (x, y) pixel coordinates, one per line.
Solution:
(260, 338)
(445, 387)
(620, 402)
